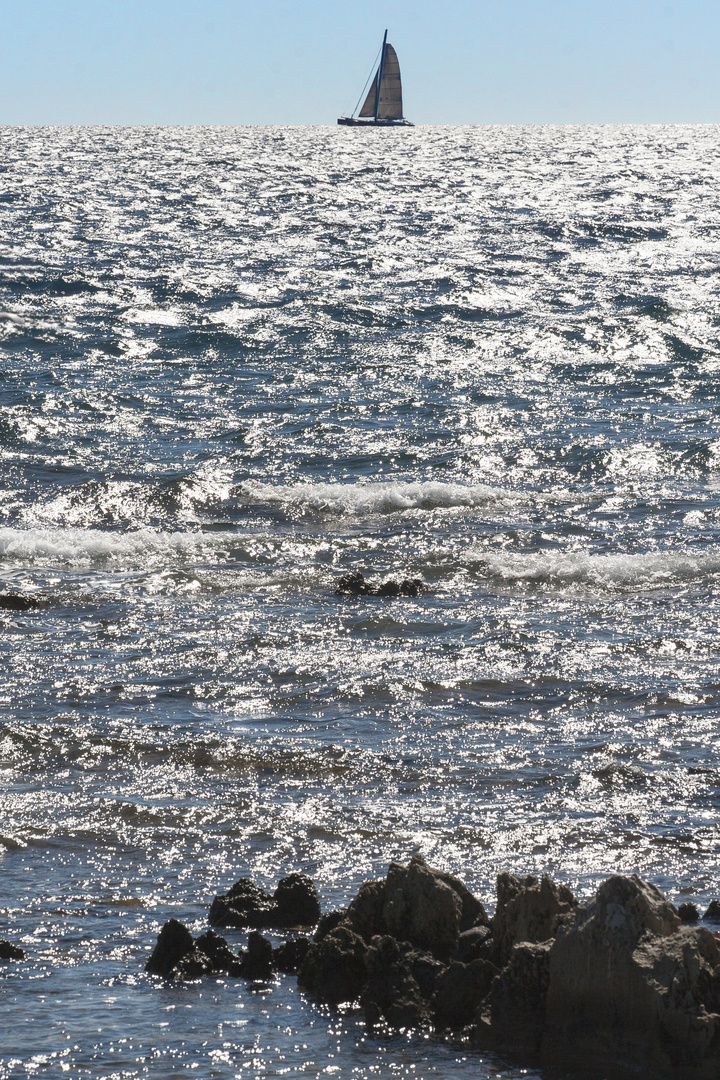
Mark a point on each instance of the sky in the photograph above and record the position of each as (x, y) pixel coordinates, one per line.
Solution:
(306, 61)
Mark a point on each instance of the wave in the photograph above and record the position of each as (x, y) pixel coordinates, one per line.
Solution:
(83, 547)
(377, 498)
(618, 571)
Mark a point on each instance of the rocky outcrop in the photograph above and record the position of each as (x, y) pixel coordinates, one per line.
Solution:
(528, 910)
(17, 602)
(622, 985)
(178, 957)
(628, 985)
(356, 585)
(8, 951)
(294, 903)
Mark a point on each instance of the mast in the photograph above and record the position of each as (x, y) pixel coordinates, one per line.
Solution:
(380, 75)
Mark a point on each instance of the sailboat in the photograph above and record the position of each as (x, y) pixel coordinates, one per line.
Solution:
(383, 104)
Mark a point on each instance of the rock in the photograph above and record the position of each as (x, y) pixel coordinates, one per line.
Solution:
(14, 602)
(333, 970)
(365, 913)
(289, 956)
(472, 913)
(475, 944)
(246, 904)
(713, 912)
(630, 987)
(8, 951)
(356, 585)
(517, 998)
(257, 963)
(688, 913)
(421, 908)
(295, 902)
(328, 923)
(399, 981)
(217, 950)
(174, 942)
(528, 910)
(459, 990)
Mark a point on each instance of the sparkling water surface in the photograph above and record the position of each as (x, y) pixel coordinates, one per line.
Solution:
(238, 363)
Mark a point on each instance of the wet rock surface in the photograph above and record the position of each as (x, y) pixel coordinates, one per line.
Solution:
(8, 951)
(624, 984)
(356, 585)
(17, 602)
(295, 902)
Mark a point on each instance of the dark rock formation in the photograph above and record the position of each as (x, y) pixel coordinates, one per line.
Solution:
(365, 913)
(517, 998)
(475, 944)
(257, 963)
(174, 942)
(8, 951)
(295, 902)
(356, 585)
(334, 968)
(629, 987)
(328, 923)
(289, 956)
(218, 952)
(422, 908)
(15, 602)
(528, 910)
(398, 983)
(459, 991)
(688, 913)
(713, 912)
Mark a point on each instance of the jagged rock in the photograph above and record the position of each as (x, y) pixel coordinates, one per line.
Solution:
(15, 602)
(8, 951)
(328, 923)
(528, 910)
(257, 963)
(356, 585)
(295, 902)
(334, 968)
(217, 950)
(517, 997)
(713, 912)
(472, 913)
(365, 913)
(475, 944)
(399, 982)
(688, 913)
(174, 942)
(245, 904)
(421, 908)
(459, 990)
(629, 987)
(289, 956)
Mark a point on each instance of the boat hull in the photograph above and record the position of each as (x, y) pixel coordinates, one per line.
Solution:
(361, 121)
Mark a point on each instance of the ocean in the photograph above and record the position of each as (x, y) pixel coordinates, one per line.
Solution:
(240, 363)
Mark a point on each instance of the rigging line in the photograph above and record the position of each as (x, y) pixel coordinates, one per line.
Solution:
(367, 81)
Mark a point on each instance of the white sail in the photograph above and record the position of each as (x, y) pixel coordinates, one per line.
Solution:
(391, 88)
(368, 108)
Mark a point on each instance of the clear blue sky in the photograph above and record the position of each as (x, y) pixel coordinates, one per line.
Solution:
(305, 61)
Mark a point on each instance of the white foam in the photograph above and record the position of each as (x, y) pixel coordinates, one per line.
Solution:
(82, 547)
(379, 498)
(648, 570)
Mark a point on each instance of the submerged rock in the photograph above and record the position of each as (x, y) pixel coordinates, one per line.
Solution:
(295, 902)
(356, 585)
(8, 951)
(16, 602)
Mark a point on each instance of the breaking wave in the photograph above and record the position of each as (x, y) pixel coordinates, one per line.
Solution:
(376, 498)
(621, 571)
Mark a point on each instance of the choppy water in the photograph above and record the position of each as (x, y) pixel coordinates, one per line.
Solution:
(237, 363)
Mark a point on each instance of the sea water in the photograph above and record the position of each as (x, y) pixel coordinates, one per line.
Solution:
(238, 363)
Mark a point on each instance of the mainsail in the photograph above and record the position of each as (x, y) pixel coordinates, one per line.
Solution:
(388, 75)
